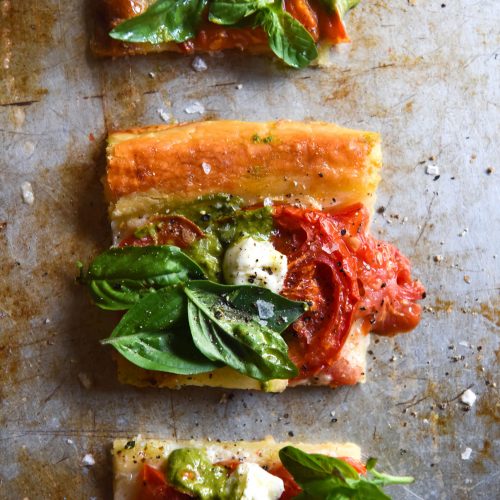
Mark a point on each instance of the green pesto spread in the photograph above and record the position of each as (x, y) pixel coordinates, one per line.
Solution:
(190, 471)
(224, 222)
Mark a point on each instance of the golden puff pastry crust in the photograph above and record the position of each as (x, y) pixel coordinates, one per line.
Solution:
(314, 162)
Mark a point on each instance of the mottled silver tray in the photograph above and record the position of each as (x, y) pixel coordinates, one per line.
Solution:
(423, 73)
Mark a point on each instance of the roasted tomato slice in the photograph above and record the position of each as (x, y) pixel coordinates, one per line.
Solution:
(344, 274)
(154, 486)
(305, 14)
(388, 294)
(322, 272)
(331, 26)
(165, 230)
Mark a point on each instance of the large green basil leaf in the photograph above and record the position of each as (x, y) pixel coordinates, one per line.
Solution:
(364, 490)
(246, 303)
(323, 477)
(306, 467)
(154, 335)
(207, 338)
(260, 354)
(164, 21)
(234, 336)
(120, 277)
(156, 312)
(171, 352)
(288, 38)
(229, 12)
(341, 6)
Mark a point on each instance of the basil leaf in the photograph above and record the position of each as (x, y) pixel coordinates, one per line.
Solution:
(366, 490)
(246, 303)
(153, 336)
(266, 307)
(306, 467)
(341, 6)
(228, 12)
(217, 346)
(323, 477)
(235, 336)
(156, 312)
(171, 352)
(120, 277)
(207, 338)
(164, 21)
(288, 38)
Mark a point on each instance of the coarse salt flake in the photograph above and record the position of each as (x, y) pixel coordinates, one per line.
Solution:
(466, 453)
(27, 193)
(163, 115)
(432, 169)
(195, 107)
(199, 64)
(88, 460)
(206, 167)
(265, 309)
(468, 397)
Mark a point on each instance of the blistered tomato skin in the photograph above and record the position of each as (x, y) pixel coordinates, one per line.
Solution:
(388, 294)
(344, 274)
(321, 272)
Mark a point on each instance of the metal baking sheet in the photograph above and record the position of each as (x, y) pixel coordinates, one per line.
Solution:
(424, 73)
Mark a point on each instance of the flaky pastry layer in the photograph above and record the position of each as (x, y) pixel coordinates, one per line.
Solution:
(314, 163)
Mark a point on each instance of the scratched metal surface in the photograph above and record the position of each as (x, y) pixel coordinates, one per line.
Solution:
(425, 75)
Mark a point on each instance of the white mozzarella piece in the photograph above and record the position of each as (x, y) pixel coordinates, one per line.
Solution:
(254, 262)
(251, 482)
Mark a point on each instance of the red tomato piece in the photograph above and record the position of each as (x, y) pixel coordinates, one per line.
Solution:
(292, 489)
(154, 486)
(305, 14)
(388, 294)
(322, 272)
(331, 26)
(344, 274)
(355, 464)
(166, 230)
